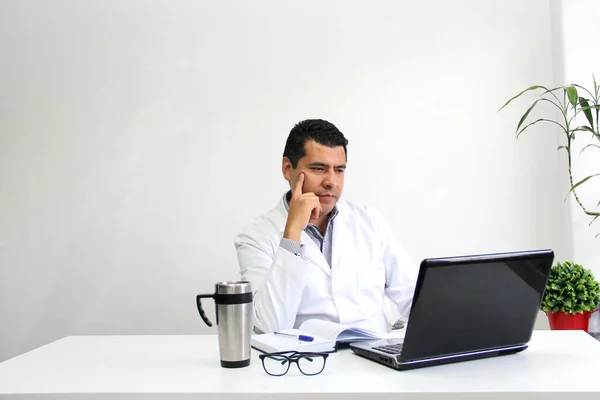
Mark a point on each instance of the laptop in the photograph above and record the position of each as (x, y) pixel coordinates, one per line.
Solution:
(467, 308)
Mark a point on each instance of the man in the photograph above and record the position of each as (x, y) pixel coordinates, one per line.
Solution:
(316, 256)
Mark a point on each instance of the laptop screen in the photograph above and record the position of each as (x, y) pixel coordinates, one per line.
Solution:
(465, 304)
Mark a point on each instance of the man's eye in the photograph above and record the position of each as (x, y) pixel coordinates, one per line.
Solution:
(317, 169)
(341, 171)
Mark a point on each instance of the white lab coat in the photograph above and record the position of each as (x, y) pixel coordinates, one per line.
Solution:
(367, 264)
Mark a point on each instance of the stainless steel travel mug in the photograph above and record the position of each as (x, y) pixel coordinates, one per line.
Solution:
(233, 305)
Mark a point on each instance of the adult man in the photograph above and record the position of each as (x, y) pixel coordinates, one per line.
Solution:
(316, 256)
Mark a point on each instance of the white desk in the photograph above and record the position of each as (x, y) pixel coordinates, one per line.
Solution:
(557, 364)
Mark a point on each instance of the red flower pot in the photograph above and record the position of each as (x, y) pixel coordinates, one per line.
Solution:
(562, 321)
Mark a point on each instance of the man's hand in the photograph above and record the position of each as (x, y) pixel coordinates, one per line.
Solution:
(303, 207)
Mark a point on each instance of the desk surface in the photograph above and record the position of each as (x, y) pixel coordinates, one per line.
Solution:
(556, 364)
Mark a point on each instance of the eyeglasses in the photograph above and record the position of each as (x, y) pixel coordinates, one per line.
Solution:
(278, 364)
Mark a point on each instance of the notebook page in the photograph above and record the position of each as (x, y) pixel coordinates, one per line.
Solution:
(337, 332)
(326, 329)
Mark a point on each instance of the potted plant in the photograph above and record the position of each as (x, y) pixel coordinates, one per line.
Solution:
(571, 296)
(572, 293)
(575, 110)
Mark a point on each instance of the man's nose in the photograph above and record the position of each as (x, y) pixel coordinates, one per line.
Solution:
(329, 180)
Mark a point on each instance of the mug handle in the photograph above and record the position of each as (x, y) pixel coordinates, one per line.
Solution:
(201, 310)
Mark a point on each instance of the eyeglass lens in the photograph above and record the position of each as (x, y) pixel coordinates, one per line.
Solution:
(311, 365)
(276, 365)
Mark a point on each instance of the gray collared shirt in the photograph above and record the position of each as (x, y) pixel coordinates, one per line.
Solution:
(322, 240)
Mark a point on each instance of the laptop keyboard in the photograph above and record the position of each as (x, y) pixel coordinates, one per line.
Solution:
(390, 348)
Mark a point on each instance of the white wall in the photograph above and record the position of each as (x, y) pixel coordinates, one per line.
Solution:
(581, 32)
(137, 137)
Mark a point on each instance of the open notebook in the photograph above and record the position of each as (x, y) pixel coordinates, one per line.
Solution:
(326, 335)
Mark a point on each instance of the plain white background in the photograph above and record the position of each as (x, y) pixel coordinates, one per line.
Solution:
(138, 137)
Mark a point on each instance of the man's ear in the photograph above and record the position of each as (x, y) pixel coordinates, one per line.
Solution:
(286, 169)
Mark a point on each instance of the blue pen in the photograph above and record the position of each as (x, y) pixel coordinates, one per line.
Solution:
(302, 338)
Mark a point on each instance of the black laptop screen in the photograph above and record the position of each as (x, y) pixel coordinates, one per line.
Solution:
(475, 303)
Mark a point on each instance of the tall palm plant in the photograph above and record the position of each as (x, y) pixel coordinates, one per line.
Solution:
(571, 101)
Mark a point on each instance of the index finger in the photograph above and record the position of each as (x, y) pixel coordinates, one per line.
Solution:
(297, 189)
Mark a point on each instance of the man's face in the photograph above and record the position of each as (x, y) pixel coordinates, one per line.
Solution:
(323, 168)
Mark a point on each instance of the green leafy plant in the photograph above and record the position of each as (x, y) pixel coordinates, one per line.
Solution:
(570, 103)
(571, 289)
